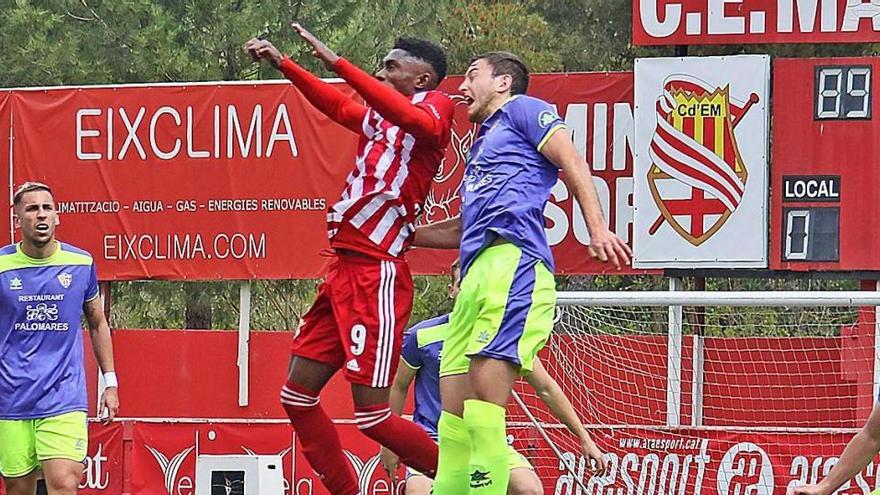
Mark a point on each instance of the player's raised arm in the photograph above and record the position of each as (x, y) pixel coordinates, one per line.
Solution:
(327, 99)
(551, 394)
(393, 101)
(604, 244)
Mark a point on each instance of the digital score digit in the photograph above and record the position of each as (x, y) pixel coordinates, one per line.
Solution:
(843, 92)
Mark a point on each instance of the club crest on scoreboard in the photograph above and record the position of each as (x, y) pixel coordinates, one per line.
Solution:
(697, 176)
(701, 162)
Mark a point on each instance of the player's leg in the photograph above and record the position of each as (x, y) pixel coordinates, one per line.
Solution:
(417, 483)
(316, 356)
(523, 479)
(372, 301)
(21, 485)
(62, 476)
(455, 446)
(18, 457)
(315, 430)
(514, 323)
(485, 420)
(61, 444)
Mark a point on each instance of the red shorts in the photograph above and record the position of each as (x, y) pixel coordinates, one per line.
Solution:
(358, 318)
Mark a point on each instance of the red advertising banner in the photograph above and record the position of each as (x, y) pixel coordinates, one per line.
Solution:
(164, 455)
(641, 461)
(688, 462)
(232, 181)
(5, 156)
(706, 22)
(186, 182)
(104, 462)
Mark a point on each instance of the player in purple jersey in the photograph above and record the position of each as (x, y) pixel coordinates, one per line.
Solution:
(504, 313)
(420, 361)
(45, 288)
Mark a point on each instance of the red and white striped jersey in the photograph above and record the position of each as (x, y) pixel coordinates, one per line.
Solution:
(393, 173)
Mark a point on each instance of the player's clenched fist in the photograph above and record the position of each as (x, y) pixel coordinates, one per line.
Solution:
(262, 49)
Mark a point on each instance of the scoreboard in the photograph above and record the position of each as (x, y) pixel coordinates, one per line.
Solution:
(825, 165)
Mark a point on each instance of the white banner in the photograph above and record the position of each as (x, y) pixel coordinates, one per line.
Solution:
(701, 141)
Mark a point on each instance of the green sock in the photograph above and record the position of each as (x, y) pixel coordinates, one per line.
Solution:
(455, 449)
(489, 463)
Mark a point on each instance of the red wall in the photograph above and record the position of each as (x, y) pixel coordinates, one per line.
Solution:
(766, 381)
(193, 374)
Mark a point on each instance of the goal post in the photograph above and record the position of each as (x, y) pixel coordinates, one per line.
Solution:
(748, 391)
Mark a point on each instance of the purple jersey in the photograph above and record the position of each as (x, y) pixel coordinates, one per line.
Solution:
(42, 371)
(507, 180)
(421, 351)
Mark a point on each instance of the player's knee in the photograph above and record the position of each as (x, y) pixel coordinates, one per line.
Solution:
(371, 431)
(530, 489)
(524, 482)
(372, 422)
(418, 485)
(64, 483)
(296, 400)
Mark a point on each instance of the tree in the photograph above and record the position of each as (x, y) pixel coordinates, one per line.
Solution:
(478, 27)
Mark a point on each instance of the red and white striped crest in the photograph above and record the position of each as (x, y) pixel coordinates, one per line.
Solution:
(697, 176)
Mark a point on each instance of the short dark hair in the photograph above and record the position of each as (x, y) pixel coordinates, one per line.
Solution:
(26, 188)
(507, 64)
(432, 53)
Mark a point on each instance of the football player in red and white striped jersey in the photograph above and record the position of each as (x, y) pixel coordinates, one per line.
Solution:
(356, 324)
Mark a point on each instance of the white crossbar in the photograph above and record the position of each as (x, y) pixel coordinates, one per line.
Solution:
(730, 298)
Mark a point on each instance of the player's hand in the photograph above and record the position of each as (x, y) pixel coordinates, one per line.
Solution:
(110, 404)
(807, 490)
(594, 457)
(390, 461)
(262, 49)
(606, 246)
(319, 49)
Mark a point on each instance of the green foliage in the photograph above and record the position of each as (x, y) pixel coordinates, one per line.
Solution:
(593, 35)
(478, 27)
(275, 304)
(53, 42)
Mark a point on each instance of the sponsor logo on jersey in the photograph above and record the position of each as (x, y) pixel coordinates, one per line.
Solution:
(480, 479)
(42, 312)
(546, 118)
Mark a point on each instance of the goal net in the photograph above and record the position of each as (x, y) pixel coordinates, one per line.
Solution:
(704, 393)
